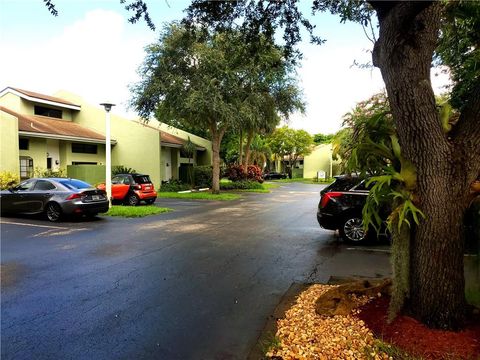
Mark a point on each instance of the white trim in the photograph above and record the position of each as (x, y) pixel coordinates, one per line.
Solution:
(64, 137)
(39, 100)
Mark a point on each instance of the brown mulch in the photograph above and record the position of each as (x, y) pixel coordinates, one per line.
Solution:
(416, 339)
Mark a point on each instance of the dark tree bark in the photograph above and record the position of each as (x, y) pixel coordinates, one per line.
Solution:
(246, 160)
(240, 148)
(217, 135)
(446, 164)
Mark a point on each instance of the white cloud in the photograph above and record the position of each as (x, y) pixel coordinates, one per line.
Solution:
(94, 57)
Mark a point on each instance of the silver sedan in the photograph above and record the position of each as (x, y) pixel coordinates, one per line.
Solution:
(54, 197)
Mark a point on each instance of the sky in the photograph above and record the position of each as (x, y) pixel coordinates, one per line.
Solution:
(91, 49)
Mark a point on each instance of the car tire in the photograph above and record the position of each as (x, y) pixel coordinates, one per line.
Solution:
(352, 230)
(53, 211)
(132, 199)
(150, 201)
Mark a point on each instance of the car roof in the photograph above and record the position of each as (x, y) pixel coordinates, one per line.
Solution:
(54, 179)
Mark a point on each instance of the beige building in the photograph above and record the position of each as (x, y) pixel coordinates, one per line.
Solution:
(40, 132)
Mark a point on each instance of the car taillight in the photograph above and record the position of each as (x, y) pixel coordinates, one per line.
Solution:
(75, 196)
(327, 196)
(137, 187)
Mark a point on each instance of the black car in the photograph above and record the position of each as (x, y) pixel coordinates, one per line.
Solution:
(273, 175)
(340, 207)
(53, 197)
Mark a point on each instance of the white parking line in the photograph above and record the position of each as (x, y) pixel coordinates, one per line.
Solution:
(33, 225)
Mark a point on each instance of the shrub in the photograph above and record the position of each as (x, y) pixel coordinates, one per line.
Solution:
(241, 185)
(120, 169)
(254, 173)
(236, 173)
(49, 173)
(8, 179)
(203, 176)
(174, 186)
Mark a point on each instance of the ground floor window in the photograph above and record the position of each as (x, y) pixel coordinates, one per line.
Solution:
(26, 167)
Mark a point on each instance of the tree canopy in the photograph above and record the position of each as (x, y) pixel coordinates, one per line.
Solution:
(208, 80)
(288, 145)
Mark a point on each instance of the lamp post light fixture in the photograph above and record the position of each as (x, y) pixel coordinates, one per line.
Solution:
(108, 152)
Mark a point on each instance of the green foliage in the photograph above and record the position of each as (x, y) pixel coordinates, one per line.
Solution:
(366, 143)
(459, 48)
(203, 176)
(289, 144)
(392, 351)
(323, 138)
(49, 173)
(120, 169)
(136, 211)
(269, 343)
(8, 179)
(174, 186)
(241, 185)
(203, 195)
(209, 80)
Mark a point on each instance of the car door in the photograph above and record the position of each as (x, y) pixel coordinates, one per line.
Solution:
(16, 200)
(120, 186)
(42, 192)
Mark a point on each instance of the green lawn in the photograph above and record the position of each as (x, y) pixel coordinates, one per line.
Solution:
(136, 211)
(204, 195)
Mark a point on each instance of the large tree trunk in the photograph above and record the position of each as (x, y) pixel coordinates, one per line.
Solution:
(247, 150)
(240, 148)
(216, 141)
(403, 52)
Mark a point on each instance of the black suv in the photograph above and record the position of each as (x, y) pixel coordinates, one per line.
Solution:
(340, 207)
(341, 204)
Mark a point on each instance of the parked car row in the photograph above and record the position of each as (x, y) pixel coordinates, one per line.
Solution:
(273, 175)
(57, 197)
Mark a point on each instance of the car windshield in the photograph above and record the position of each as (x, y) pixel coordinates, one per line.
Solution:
(142, 179)
(74, 184)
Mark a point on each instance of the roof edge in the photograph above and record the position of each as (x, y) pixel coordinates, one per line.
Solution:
(23, 95)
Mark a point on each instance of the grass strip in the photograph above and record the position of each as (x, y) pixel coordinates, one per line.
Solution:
(302, 180)
(206, 195)
(253, 190)
(135, 211)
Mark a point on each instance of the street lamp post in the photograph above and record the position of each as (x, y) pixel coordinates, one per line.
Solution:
(108, 152)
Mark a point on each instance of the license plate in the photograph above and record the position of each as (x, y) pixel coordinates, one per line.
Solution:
(96, 197)
(147, 187)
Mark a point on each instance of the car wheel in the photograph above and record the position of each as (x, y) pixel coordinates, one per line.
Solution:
(150, 201)
(352, 230)
(53, 212)
(132, 200)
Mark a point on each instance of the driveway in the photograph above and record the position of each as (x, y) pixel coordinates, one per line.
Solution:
(197, 283)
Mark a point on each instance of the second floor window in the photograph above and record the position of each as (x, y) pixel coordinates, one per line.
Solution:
(23, 144)
(84, 148)
(45, 111)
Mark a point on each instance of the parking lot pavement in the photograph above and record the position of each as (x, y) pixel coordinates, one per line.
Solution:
(196, 283)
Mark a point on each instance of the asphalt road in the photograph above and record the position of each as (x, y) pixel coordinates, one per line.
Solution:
(197, 283)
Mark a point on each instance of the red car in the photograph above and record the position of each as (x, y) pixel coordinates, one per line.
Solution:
(132, 188)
